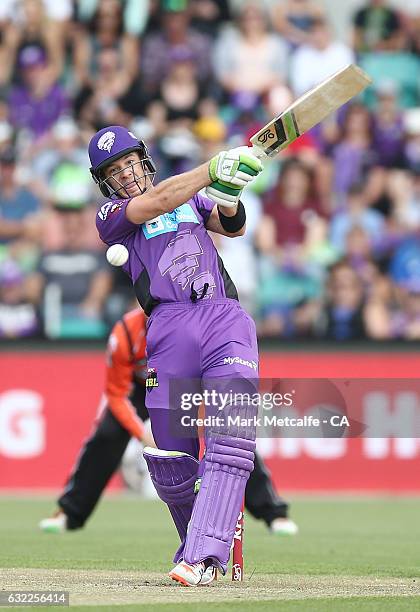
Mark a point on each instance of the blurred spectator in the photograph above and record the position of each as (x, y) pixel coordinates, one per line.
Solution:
(356, 213)
(134, 14)
(404, 190)
(317, 249)
(64, 147)
(178, 104)
(295, 18)
(100, 103)
(18, 316)
(73, 281)
(359, 253)
(354, 157)
(209, 15)
(374, 25)
(6, 137)
(412, 144)
(388, 131)
(405, 262)
(288, 203)
(69, 188)
(250, 58)
(318, 59)
(106, 31)
(57, 10)
(18, 204)
(399, 318)
(405, 322)
(399, 315)
(396, 65)
(36, 104)
(414, 29)
(180, 92)
(342, 316)
(175, 32)
(281, 238)
(39, 23)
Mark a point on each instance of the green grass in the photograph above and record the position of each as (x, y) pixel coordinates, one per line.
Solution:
(377, 537)
(349, 537)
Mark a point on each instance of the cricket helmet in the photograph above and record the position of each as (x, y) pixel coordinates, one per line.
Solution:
(108, 145)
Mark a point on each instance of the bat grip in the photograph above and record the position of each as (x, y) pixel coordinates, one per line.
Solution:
(258, 152)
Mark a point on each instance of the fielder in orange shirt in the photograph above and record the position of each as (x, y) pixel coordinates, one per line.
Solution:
(121, 415)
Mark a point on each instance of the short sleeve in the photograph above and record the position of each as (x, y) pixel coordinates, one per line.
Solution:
(204, 206)
(112, 223)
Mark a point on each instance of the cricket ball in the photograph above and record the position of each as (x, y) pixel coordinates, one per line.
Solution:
(117, 255)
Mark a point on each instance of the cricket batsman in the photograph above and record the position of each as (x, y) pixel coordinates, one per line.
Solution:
(121, 415)
(196, 328)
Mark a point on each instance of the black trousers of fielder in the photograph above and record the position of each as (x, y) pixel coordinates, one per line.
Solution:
(101, 456)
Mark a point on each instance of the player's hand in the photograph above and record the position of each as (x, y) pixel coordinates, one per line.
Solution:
(236, 167)
(223, 194)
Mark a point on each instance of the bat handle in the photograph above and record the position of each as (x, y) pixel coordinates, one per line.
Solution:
(258, 152)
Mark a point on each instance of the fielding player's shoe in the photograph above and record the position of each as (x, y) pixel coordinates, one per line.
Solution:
(188, 575)
(283, 526)
(55, 524)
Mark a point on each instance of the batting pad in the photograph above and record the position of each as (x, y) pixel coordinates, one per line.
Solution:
(174, 474)
(228, 463)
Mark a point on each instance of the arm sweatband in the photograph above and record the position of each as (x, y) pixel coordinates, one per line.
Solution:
(235, 223)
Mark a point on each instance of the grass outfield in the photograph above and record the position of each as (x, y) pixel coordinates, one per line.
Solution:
(351, 554)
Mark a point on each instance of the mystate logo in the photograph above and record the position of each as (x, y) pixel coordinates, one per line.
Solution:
(249, 364)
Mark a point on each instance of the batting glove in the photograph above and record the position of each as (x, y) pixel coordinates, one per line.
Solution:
(224, 194)
(236, 167)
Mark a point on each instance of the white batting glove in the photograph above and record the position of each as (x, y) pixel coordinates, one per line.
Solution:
(235, 167)
(224, 194)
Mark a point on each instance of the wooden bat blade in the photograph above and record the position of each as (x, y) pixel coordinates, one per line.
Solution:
(311, 108)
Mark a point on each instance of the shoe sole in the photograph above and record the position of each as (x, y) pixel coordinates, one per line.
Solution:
(181, 580)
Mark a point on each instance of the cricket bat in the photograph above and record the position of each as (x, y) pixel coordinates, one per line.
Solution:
(308, 110)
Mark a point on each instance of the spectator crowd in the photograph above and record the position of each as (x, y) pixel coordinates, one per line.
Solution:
(332, 248)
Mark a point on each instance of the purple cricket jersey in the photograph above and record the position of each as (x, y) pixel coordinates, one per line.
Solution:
(171, 256)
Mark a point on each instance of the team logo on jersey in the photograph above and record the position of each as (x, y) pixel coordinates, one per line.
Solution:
(152, 379)
(108, 209)
(104, 210)
(169, 222)
(115, 207)
(106, 141)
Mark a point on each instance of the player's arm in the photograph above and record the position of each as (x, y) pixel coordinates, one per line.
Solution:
(228, 171)
(119, 376)
(167, 195)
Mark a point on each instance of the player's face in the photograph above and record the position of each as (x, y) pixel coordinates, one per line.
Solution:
(127, 176)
